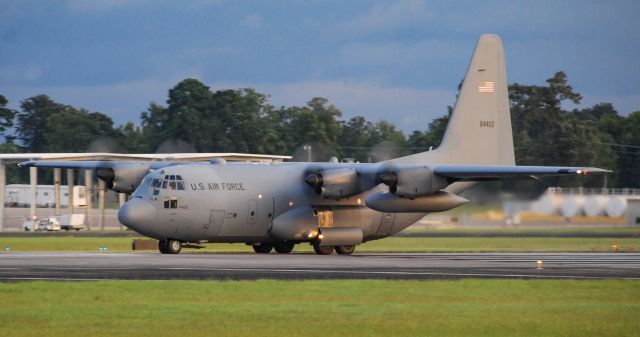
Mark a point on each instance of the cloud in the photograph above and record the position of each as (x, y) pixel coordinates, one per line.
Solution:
(253, 21)
(388, 17)
(89, 6)
(420, 53)
(25, 73)
(123, 102)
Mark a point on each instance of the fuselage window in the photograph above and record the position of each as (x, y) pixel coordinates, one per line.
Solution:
(164, 185)
(171, 203)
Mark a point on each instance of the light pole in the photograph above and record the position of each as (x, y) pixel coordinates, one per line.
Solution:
(308, 149)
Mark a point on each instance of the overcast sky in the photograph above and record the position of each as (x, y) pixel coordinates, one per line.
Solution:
(394, 60)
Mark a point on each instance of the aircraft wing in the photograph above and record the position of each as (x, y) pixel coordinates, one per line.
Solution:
(96, 164)
(79, 164)
(482, 172)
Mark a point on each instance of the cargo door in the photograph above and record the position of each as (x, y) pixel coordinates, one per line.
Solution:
(386, 222)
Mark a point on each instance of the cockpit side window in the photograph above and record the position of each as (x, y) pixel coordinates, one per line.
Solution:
(156, 183)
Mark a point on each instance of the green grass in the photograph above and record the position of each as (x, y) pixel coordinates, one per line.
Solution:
(393, 244)
(321, 308)
(528, 231)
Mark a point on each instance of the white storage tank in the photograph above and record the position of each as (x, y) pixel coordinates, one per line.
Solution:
(548, 204)
(616, 206)
(572, 205)
(595, 205)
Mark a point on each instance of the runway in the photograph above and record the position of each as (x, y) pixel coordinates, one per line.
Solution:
(202, 266)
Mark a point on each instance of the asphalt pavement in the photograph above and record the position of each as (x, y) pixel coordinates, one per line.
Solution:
(15, 266)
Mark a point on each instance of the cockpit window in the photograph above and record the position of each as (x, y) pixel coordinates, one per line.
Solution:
(156, 183)
(172, 182)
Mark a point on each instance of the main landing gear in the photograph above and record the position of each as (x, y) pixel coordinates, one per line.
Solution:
(169, 246)
(280, 247)
(327, 250)
(287, 247)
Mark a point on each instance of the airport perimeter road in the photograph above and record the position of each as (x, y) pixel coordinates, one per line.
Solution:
(199, 266)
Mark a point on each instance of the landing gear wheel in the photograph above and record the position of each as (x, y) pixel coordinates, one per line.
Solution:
(345, 250)
(174, 246)
(169, 246)
(283, 247)
(322, 250)
(262, 248)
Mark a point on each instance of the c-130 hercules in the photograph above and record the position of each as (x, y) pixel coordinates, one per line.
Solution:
(333, 206)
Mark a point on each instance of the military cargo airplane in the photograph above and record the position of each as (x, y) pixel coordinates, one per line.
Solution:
(333, 206)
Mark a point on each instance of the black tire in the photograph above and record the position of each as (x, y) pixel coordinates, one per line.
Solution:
(283, 247)
(345, 250)
(262, 248)
(162, 246)
(322, 250)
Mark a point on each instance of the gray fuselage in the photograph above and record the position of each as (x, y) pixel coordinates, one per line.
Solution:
(237, 202)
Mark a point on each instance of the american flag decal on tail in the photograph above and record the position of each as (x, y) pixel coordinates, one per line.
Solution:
(486, 86)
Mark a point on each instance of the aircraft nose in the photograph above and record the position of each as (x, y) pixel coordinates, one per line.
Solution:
(136, 213)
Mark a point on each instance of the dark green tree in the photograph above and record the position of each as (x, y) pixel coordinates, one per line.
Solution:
(73, 130)
(6, 115)
(317, 125)
(32, 124)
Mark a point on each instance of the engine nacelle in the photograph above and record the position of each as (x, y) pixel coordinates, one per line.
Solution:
(335, 183)
(413, 182)
(124, 178)
(296, 224)
(438, 202)
(340, 236)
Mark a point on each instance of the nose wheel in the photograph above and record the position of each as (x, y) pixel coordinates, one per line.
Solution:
(169, 246)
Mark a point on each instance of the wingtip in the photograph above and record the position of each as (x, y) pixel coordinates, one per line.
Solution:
(25, 163)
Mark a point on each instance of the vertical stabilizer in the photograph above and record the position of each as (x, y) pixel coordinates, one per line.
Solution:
(479, 130)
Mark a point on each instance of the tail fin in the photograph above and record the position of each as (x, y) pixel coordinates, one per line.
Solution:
(479, 129)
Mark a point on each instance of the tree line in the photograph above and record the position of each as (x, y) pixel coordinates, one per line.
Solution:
(197, 119)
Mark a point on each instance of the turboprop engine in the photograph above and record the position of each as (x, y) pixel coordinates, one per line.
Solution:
(124, 178)
(334, 183)
(413, 182)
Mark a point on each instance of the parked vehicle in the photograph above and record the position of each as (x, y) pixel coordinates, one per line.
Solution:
(49, 224)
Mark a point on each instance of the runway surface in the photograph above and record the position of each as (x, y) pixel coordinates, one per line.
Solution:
(201, 266)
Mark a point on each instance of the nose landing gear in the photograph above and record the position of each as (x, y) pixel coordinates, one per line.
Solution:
(169, 246)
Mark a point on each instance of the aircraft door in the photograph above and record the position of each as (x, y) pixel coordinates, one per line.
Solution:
(386, 222)
(253, 211)
(215, 223)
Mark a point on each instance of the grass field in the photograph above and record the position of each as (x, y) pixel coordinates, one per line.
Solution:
(393, 244)
(321, 308)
